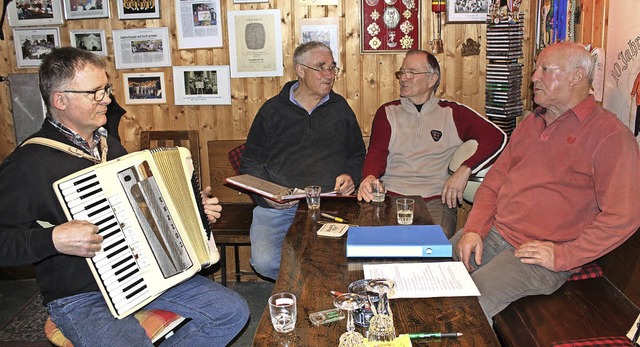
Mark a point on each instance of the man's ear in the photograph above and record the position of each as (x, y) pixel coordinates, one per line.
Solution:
(578, 76)
(59, 101)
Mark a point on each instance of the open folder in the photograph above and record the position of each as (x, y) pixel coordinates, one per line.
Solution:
(268, 189)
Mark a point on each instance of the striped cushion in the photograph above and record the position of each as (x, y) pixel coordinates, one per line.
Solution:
(610, 341)
(153, 322)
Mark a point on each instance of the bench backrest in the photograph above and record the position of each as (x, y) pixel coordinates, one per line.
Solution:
(220, 168)
(622, 267)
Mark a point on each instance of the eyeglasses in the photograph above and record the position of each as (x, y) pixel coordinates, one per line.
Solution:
(98, 94)
(330, 69)
(411, 74)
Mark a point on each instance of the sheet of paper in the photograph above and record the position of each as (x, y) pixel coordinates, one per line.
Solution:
(425, 280)
(634, 333)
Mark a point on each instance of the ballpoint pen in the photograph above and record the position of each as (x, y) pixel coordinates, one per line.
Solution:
(337, 219)
(424, 335)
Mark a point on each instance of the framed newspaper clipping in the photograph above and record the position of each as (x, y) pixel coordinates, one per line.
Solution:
(141, 48)
(198, 23)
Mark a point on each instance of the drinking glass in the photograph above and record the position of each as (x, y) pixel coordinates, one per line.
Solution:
(378, 191)
(313, 196)
(404, 208)
(349, 302)
(381, 324)
(282, 307)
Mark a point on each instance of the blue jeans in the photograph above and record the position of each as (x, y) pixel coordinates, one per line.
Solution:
(502, 278)
(268, 229)
(217, 315)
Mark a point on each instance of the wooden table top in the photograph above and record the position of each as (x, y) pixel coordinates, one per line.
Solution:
(312, 266)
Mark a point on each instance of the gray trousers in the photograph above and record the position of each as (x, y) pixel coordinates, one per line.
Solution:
(502, 278)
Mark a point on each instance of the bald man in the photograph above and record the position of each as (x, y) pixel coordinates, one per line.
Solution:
(562, 194)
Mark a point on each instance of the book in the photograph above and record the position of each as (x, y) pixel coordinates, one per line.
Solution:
(268, 189)
(405, 241)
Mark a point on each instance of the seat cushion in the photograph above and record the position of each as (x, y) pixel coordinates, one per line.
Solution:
(609, 341)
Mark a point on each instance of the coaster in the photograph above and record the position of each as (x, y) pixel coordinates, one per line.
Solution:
(333, 229)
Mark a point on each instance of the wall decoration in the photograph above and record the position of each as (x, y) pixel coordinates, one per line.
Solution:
(138, 9)
(248, 1)
(469, 11)
(255, 43)
(141, 48)
(92, 40)
(323, 30)
(318, 2)
(34, 12)
(198, 23)
(622, 64)
(144, 88)
(33, 44)
(82, 9)
(390, 26)
(202, 85)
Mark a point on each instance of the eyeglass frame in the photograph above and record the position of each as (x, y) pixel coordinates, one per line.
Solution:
(413, 74)
(334, 69)
(108, 88)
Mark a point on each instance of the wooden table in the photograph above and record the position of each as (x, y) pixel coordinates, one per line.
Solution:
(312, 266)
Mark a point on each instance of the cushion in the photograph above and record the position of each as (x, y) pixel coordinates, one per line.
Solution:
(591, 270)
(234, 156)
(610, 341)
(155, 323)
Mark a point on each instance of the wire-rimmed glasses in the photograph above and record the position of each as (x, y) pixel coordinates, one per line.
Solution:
(98, 94)
(331, 69)
(411, 74)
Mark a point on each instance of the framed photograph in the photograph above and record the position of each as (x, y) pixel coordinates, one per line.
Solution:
(202, 85)
(92, 40)
(467, 11)
(198, 23)
(390, 26)
(248, 1)
(323, 30)
(33, 44)
(255, 43)
(141, 48)
(82, 9)
(138, 9)
(34, 12)
(144, 88)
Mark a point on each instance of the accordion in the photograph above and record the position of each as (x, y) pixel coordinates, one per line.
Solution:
(148, 209)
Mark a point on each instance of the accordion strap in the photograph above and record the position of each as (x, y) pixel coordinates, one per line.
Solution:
(74, 151)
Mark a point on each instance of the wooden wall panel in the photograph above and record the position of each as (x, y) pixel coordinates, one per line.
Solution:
(366, 80)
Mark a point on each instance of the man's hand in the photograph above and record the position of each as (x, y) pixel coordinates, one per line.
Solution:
(469, 243)
(77, 237)
(538, 253)
(212, 207)
(454, 187)
(344, 185)
(364, 191)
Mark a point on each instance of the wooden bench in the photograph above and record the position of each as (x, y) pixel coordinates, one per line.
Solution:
(580, 309)
(232, 229)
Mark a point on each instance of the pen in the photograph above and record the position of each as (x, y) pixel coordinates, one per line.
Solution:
(423, 335)
(337, 219)
(334, 293)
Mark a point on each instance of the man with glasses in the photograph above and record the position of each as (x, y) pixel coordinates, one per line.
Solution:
(414, 138)
(34, 228)
(306, 135)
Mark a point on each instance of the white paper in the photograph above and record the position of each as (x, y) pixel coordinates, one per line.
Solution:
(425, 280)
(633, 333)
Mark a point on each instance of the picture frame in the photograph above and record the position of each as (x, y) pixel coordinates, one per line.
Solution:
(202, 85)
(34, 13)
(390, 26)
(138, 9)
(33, 43)
(255, 43)
(83, 9)
(323, 30)
(144, 88)
(204, 27)
(467, 11)
(248, 1)
(141, 48)
(92, 40)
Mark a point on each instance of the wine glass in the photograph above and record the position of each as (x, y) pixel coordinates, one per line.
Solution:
(381, 324)
(350, 302)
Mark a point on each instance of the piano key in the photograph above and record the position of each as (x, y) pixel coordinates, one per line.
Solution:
(77, 180)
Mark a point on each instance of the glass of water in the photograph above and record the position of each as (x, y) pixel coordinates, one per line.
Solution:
(377, 190)
(282, 307)
(404, 209)
(313, 196)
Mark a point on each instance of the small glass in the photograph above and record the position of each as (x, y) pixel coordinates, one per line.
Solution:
(378, 191)
(381, 326)
(404, 208)
(283, 311)
(313, 196)
(350, 302)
